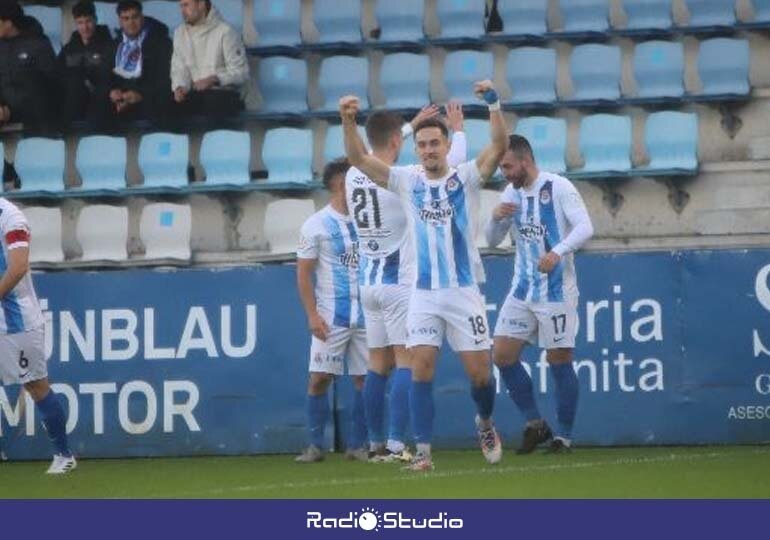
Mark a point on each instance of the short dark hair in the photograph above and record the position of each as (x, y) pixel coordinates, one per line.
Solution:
(128, 5)
(84, 8)
(333, 168)
(520, 146)
(11, 11)
(432, 123)
(381, 126)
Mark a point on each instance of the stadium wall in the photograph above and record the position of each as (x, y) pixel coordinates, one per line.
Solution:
(673, 348)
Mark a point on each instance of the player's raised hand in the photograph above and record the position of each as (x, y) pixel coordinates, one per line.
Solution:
(504, 211)
(548, 262)
(485, 91)
(318, 326)
(429, 111)
(349, 107)
(454, 115)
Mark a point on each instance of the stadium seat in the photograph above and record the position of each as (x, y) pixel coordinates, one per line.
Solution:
(163, 158)
(278, 22)
(165, 11)
(399, 21)
(231, 11)
(647, 15)
(462, 69)
(337, 21)
(531, 74)
(477, 135)
(711, 13)
(102, 232)
(283, 85)
(288, 155)
(165, 231)
(283, 221)
(405, 80)
(460, 20)
(408, 155)
(672, 143)
(40, 164)
(548, 138)
(334, 144)
(659, 69)
(584, 17)
(51, 20)
(225, 156)
(46, 227)
(761, 11)
(595, 72)
(605, 142)
(723, 66)
(106, 15)
(342, 75)
(101, 162)
(523, 17)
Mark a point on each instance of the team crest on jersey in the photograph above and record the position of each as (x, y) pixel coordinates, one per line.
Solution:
(452, 184)
(545, 197)
(373, 245)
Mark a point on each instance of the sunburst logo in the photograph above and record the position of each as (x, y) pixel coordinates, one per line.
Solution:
(369, 520)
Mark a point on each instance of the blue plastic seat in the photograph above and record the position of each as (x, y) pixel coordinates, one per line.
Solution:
(163, 158)
(288, 155)
(101, 162)
(342, 75)
(283, 85)
(584, 16)
(672, 143)
(605, 142)
(399, 20)
(51, 19)
(232, 12)
(462, 69)
(337, 21)
(461, 20)
(723, 66)
(531, 74)
(106, 15)
(523, 17)
(405, 80)
(595, 71)
(659, 69)
(477, 135)
(761, 11)
(334, 142)
(548, 138)
(40, 164)
(278, 22)
(711, 13)
(165, 11)
(647, 15)
(225, 156)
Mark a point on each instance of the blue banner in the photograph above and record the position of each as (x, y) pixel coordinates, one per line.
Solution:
(673, 348)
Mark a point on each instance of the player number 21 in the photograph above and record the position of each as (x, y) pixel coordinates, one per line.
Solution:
(360, 211)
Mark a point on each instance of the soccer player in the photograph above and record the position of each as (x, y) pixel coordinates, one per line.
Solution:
(328, 247)
(445, 299)
(549, 222)
(387, 274)
(22, 333)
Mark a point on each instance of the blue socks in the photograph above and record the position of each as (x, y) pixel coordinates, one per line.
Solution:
(566, 397)
(358, 432)
(399, 403)
(374, 400)
(55, 422)
(484, 396)
(317, 416)
(519, 385)
(421, 405)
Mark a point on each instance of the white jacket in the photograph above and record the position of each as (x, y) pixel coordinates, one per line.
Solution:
(211, 47)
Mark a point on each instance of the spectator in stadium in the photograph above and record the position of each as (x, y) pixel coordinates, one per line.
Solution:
(85, 65)
(139, 87)
(209, 70)
(28, 78)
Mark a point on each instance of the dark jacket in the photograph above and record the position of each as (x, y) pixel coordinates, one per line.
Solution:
(155, 82)
(27, 67)
(93, 62)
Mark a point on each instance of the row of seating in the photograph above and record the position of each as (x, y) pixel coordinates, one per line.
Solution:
(278, 22)
(531, 72)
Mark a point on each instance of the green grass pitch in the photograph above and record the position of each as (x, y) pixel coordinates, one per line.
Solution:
(670, 472)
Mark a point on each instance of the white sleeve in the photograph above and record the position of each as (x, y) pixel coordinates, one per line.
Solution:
(14, 228)
(578, 219)
(400, 179)
(469, 174)
(309, 245)
(495, 230)
(458, 152)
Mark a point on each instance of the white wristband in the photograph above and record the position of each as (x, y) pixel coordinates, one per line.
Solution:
(406, 130)
(494, 106)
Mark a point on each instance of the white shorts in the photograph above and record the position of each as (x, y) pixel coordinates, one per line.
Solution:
(342, 346)
(459, 312)
(385, 309)
(22, 357)
(550, 325)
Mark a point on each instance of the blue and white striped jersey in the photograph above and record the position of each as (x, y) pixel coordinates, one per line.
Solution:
(442, 221)
(329, 237)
